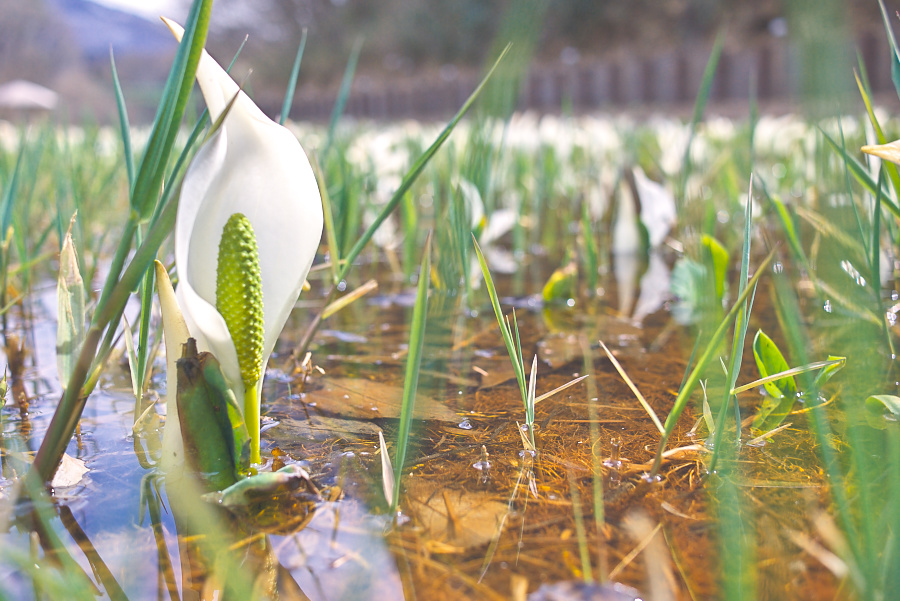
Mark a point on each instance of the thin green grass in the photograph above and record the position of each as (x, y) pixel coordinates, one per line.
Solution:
(144, 201)
(413, 364)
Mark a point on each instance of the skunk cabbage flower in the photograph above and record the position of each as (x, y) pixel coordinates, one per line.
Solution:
(253, 176)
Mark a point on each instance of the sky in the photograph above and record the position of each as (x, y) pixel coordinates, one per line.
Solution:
(149, 8)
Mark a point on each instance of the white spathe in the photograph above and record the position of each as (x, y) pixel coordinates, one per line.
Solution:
(254, 166)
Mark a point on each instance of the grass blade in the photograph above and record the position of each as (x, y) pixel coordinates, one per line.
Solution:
(413, 362)
(350, 297)
(70, 298)
(117, 289)
(634, 389)
(414, 172)
(703, 94)
(559, 389)
(859, 171)
(334, 248)
(511, 348)
(124, 128)
(684, 394)
(343, 94)
(794, 371)
(292, 82)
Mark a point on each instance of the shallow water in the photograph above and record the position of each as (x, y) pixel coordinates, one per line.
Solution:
(480, 518)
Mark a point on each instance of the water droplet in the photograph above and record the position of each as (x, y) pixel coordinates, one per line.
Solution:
(342, 285)
(614, 462)
(778, 267)
(465, 425)
(570, 302)
(827, 306)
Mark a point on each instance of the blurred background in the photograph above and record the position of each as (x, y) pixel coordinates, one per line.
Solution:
(421, 58)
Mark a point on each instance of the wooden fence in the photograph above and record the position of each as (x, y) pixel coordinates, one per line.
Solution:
(624, 81)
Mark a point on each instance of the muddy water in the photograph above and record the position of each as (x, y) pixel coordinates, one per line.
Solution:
(480, 518)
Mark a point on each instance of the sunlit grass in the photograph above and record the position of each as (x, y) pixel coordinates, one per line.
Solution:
(821, 218)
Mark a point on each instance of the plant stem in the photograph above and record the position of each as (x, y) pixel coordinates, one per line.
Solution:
(251, 419)
(71, 405)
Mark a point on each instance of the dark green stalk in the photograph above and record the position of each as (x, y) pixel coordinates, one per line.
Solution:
(145, 290)
(70, 407)
(798, 342)
(123, 122)
(171, 110)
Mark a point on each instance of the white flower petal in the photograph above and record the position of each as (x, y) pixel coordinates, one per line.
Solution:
(175, 333)
(256, 167)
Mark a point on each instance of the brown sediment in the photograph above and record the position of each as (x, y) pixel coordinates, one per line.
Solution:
(492, 532)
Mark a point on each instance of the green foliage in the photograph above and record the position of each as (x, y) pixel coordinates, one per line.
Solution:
(239, 296)
(71, 314)
(782, 393)
(216, 442)
(413, 363)
(716, 257)
(560, 286)
(146, 204)
(882, 409)
(510, 335)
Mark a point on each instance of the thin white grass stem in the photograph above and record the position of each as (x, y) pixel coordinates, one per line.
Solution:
(349, 298)
(614, 573)
(547, 395)
(387, 471)
(787, 373)
(634, 389)
(768, 434)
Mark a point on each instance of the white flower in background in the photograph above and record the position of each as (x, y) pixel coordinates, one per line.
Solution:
(672, 138)
(719, 129)
(657, 207)
(658, 216)
(253, 167)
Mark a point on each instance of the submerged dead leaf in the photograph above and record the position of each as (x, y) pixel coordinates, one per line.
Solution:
(69, 473)
(455, 520)
(320, 427)
(354, 398)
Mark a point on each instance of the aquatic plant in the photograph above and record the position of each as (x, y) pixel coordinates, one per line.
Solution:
(248, 227)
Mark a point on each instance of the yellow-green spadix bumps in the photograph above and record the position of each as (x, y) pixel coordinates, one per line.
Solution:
(239, 294)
